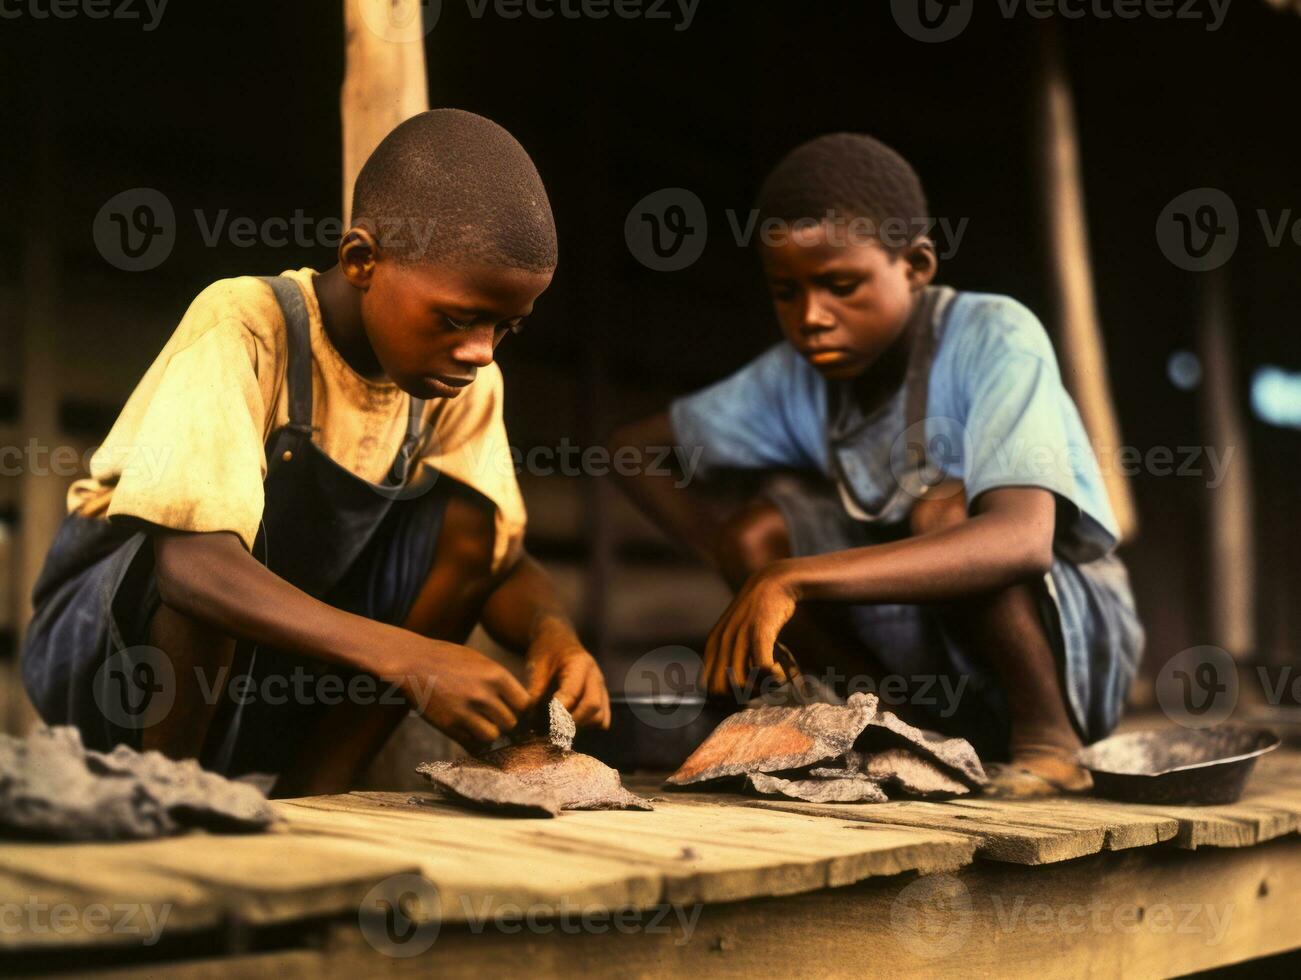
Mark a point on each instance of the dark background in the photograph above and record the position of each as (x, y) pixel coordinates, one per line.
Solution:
(235, 105)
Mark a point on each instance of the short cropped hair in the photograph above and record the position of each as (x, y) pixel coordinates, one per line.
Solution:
(449, 184)
(846, 175)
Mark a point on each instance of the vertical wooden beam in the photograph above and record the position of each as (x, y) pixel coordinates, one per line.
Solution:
(1080, 345)
(41, 494)
(384, 79)
(1231, 558)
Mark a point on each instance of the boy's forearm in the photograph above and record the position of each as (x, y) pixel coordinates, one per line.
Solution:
(1009, 542)
(212, 578)
(525, 605)
(679, 511)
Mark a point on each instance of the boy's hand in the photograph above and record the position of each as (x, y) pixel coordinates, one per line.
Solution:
(459, 691)
(743, 638)
(557, 660)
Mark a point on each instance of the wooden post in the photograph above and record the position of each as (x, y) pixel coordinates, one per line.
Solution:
(384, 79)
(1080, 346)
(1231, 556)
(41, 494)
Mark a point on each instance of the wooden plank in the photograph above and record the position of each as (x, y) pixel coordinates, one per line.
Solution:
(1000, 834)
(1145, 912)
(187, 883)
(680, 853)
(1064, 828)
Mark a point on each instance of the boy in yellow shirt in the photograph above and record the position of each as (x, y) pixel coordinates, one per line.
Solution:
(308, 501)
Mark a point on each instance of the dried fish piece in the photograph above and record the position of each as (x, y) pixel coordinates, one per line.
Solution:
(538, 777)
(841, 789)
(900, 769)
(774, 739)
(954, 756)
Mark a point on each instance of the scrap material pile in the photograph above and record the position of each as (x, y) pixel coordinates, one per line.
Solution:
(53, 786)
(538, 774)
(833, 753)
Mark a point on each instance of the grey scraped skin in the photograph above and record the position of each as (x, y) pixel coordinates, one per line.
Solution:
(539, 774)
(52, 786)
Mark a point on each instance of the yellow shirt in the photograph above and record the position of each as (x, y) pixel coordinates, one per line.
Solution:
(188, 450)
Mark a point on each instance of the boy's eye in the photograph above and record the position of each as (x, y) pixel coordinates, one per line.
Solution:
(457, 324)
(844, 288)
(783, 294)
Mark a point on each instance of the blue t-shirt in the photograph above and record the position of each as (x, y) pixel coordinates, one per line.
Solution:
(996, 406)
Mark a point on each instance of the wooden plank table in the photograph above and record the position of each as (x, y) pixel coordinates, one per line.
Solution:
(733, 883)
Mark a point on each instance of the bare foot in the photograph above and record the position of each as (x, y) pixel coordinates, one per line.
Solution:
(1037, 772)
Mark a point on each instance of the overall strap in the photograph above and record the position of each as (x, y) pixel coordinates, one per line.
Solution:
(298, 372)
(401, 468)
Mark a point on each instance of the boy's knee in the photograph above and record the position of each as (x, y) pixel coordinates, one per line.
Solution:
(752, 538)
(944, 506)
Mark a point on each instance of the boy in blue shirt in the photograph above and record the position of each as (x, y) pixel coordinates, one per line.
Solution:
(931, 506)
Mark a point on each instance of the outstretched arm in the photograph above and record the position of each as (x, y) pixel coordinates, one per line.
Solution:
(210, 577)
(682, 512)
(1008, 539)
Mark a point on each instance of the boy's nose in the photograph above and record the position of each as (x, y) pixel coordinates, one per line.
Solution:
(475, 348)
(817, 317)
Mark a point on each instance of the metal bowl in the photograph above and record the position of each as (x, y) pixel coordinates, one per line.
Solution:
(1184, 766)
(653, 732)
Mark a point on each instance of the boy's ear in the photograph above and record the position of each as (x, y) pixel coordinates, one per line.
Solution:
(358, 253)
(922, 263)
